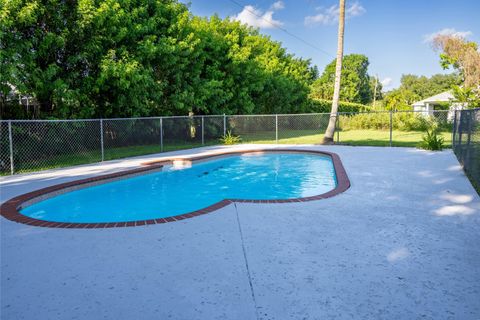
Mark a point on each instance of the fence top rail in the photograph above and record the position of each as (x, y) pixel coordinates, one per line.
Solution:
(48, 120)
(277, 114)
(238, 116)
(398, 111)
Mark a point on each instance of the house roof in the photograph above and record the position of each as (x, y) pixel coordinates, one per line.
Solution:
(441, 97)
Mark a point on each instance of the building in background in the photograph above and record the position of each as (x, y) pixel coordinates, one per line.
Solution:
(441, 101)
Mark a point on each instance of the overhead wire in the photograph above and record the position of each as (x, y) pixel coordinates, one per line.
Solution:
(244, 7)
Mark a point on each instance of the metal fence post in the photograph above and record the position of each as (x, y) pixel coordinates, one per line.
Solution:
(224, 125)
(101, 139)
(10, 142)
(276, 128)
(454, 129)
(469, 127)
(161, 134)
(460, 127)
(203, 130)
(391, 126)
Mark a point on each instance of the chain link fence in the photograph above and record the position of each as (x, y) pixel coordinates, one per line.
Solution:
(42, 144)
(302, 128)
(38, 145)
(397, 129)
(253, 128)
(466, 142)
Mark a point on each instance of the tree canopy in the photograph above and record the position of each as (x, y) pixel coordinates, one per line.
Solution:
(464, 57)
(414, 88)
(122, 58)
(355, 84)
(424, 87)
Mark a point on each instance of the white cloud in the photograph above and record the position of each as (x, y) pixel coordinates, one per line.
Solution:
(354, 10)
(446, 32)
(330, 15)
(257, 18)
(387, 82)
(278, 5)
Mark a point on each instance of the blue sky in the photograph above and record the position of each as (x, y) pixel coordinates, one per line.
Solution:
(392, 33)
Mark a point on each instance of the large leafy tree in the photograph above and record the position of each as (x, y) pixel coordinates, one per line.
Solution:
(355, 86)
(463, 56)
(425, 87)
(120, 58)
(245, 72)
(400, 99)
(413, 88)
(92, 58)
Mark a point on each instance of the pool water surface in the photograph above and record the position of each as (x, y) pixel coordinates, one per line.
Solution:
(171, 192)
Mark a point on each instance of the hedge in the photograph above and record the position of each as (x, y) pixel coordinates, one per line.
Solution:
(324, 106)
(404, 121)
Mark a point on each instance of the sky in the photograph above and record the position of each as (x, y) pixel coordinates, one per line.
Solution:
(394, 34)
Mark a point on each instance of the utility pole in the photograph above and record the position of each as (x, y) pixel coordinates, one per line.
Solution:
(375, 91)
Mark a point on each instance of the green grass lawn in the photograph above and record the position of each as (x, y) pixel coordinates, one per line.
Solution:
(382, 138)
(351, 137)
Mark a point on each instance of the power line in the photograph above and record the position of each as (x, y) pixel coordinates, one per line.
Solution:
(282, 29)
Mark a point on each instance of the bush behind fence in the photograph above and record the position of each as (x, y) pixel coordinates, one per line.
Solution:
(38, 145)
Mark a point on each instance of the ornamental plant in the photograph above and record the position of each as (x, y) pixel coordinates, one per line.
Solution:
(229, 138)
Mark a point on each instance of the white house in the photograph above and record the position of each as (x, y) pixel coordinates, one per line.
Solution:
(426, 106)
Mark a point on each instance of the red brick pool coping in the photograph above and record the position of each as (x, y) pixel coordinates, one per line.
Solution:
(10, 209)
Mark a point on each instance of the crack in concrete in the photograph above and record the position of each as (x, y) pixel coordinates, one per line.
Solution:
(246, 263)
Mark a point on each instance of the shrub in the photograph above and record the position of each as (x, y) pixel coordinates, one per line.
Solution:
(230, 139)
(407, 121)
(403, 121)
(325, 106)
(374, 121)
(431, 140)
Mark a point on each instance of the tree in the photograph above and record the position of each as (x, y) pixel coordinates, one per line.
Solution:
(356, 83)
(400, 99)
(92, 59)
(328, 138)
(425, 87)
(413, 88)
(375, 89)
(124, 58)
(463, 56)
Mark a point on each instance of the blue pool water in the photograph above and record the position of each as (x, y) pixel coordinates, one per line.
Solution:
(171, 192)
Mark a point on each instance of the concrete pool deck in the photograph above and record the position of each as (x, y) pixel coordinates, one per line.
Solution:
(401, 243)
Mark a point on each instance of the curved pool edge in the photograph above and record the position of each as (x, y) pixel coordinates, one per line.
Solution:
(10, 208)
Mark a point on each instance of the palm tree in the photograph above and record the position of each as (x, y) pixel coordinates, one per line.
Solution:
(328, 138)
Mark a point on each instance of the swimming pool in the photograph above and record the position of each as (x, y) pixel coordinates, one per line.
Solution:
(185, 188)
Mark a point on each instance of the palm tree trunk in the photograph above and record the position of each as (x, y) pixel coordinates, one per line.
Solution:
(328, 138)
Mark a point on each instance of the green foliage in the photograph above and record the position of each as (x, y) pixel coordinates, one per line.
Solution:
(407, 121)
(122, 58)
(431, 140)
(355, 83)
(414, 88)
(400, 99)
(229, 138)
(402, 121)
(374, 81)
(463, 56)
(325, 106)
(365, 121)
(468, 96)
(425, 87)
